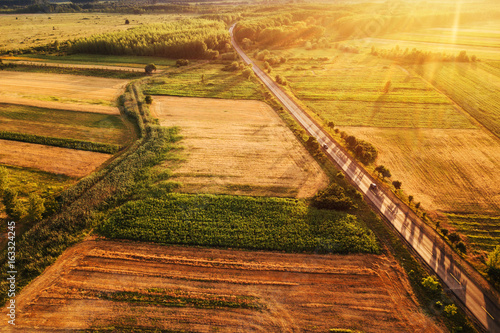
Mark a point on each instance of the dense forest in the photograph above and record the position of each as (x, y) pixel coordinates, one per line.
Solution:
(192, 39)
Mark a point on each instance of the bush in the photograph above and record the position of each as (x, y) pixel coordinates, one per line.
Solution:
(182, 62)
(148, 99)
(281, 80)
(247, 73)
(461, 247)
(450, 310)
(397, 184)
(454, 237)
(431, 284)
(333, 198)
(150, 68)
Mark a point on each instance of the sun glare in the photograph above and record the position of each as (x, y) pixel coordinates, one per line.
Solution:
(456, 22)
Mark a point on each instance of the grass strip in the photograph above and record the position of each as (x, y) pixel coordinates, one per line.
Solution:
(168, 298)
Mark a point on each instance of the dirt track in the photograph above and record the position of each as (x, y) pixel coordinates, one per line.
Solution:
(297, 293)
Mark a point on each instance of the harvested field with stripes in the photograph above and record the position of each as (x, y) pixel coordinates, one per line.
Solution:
(238, 147)
(102, 284)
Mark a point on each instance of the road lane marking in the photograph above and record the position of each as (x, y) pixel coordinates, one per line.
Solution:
(489, 314)
(453, 276)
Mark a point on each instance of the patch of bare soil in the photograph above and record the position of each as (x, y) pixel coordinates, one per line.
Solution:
(238, 147)
(102, 284)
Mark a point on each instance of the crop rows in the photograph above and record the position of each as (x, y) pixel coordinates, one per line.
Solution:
(482, 231)
(241, 222)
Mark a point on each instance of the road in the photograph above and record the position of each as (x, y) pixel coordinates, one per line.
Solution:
(484, 307)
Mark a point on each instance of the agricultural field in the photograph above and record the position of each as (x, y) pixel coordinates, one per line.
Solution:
(20, 31)
(237, 147)
(69, 162)
(436, 127)
(105, 285)
(216, 83)
(260, 223)
(447, 170)
(87, 126)
(61, 88)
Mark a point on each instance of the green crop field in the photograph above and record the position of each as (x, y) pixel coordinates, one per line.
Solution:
(348, 90)
(483, 232)
(475, 87)
(217, 83)
(240, 222)
(85, 126)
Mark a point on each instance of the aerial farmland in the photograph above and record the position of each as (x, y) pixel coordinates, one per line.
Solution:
(250, 167)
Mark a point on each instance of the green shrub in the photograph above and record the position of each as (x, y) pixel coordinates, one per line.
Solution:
(334, 198)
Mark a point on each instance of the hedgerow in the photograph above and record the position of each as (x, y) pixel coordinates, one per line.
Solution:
(61, 142)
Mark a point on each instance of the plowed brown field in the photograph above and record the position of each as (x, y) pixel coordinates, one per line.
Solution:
(70, 162)
(61, 87)
(238, 147)
(285, 292)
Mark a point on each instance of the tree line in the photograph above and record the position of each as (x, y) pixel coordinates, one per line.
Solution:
(189, 39)
(416, 56)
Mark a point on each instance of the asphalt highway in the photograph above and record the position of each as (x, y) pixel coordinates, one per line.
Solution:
(427, 244)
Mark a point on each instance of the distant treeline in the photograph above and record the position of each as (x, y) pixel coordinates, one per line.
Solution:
(191, 39)
(280, 30)
(295, 24)
(419, 57)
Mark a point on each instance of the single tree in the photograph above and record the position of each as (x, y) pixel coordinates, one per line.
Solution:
(383, 171)
(417, 205)
(13, 206)
(493, 264)
(36, 207)
(462, 247)
(247, 72)
(150, 68)
(148, 99)
(397, 184)
(454, 237)
(410, 199)
(127, 21)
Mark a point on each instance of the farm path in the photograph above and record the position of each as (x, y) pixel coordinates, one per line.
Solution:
(463, 282)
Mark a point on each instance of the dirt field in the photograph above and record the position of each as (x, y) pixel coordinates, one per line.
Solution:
(102, 284)
(73, 163)
(238, 147)
(448, 170)
(60, 87)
